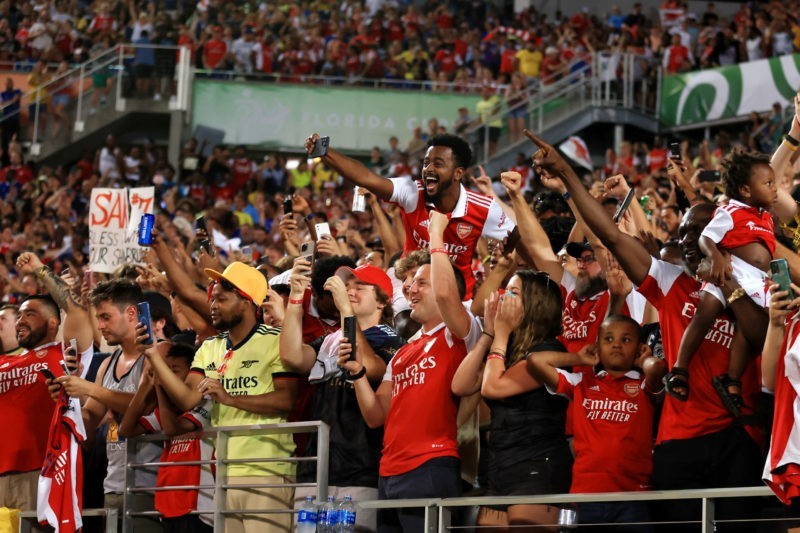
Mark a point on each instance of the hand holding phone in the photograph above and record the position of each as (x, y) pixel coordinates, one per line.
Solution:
(307, 251)
(675, 151)
(320, 147)
(323, 228)
(206, 242)
(781, 276)
(143, 313)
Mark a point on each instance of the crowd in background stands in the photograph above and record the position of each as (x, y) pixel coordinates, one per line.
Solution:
(462, 43)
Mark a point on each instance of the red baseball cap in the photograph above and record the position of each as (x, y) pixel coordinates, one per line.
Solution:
(370, 275)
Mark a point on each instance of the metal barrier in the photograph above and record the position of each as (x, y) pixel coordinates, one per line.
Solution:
(221, 462)
(28, 517)
(438, 510)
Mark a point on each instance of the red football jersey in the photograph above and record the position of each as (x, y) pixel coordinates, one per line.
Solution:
(675, 296)
(173, 503)
(474, 215)
(421, 373)
(737, 224)
(609, 409)
(27, 406)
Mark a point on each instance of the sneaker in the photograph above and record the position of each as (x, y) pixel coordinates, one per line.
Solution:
(103, 101)
(157, 97)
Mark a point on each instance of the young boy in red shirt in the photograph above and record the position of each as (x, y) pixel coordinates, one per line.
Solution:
(614, 407)
(175, 505)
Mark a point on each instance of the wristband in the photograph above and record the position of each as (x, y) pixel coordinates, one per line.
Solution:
(309, 216)
(441, 250)
(358, 375)
(566, 195)
(790, 146)
(487, 334)
(296, 301)
(791, 140)
(42, 271)
(494, 355)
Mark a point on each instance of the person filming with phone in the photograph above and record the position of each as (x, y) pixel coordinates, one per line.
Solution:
(363, 298)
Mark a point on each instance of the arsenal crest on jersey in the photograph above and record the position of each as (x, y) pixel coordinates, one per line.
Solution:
(463, 230)
(632, 389)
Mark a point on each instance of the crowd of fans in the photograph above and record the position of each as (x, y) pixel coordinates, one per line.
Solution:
(562, 327)
(461, 45)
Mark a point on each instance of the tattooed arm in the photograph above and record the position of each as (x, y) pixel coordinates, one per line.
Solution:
(77, 320)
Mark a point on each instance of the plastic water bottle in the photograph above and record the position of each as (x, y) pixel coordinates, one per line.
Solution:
(307, 517)
(329, 521)
(347, 515)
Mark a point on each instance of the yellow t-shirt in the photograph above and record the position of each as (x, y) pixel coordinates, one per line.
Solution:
(486, 108)
(529, 61)
(250, 371)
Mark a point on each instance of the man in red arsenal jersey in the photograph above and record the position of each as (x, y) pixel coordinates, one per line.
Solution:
(27, 407)
(698, 446)
(420, 454)
(471, 215)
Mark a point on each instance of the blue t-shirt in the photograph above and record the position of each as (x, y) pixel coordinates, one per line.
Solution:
(12, 109)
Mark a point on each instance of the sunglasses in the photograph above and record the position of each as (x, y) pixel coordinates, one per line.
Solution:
(586, 260)
(227, 286)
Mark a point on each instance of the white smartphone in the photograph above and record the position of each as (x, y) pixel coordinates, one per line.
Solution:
(322, 229)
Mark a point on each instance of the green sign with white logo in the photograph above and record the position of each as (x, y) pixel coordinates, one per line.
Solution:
(728, 92)
(282, 116)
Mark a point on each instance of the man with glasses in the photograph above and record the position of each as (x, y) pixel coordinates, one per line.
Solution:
(587, 300)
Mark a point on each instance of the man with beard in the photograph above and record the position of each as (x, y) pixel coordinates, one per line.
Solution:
(117, 379)
(27, 408)
(471, 215)
(698, 445)
(241, 371)
(587, 299)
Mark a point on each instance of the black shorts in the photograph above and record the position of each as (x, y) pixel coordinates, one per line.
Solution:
(494, 134)
(550, 473)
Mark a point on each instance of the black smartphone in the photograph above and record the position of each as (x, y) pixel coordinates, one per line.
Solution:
(781, 276)
(675, 151)
(511, 241)
(47, 373)
(626, 202)
(320, 147)
(709, 176)
(349, 333)
(287, 205)
(143, 313)
(205, 243)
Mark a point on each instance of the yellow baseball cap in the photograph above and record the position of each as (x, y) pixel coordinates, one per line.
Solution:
(250, 282)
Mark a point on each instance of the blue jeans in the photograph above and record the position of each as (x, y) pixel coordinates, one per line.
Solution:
(614, 513)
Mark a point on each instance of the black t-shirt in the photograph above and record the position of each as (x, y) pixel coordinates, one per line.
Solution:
(355, 449)
(529, 425)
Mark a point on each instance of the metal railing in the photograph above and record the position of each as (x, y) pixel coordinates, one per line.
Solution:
(56, 113)
(599, 79)
(437, 511)
(28, 518)
(221, 462)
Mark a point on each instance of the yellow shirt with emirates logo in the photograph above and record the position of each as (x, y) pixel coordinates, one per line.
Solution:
(251, 370)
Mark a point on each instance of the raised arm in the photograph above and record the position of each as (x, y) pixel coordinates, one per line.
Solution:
(181, 281)
(140, 405)
(468, 376)
(353, 170)
(294, 354)
(443, 280)
(543, 366)
(632, 255)
(779, 308)
(533, 237)
(77, 321)
(373, 404)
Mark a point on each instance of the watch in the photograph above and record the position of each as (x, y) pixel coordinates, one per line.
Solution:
(737, 293)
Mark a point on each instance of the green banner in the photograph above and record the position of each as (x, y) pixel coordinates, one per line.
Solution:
(277, 115)
(727, 92)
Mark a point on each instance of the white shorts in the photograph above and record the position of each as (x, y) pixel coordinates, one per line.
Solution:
(753, 280)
